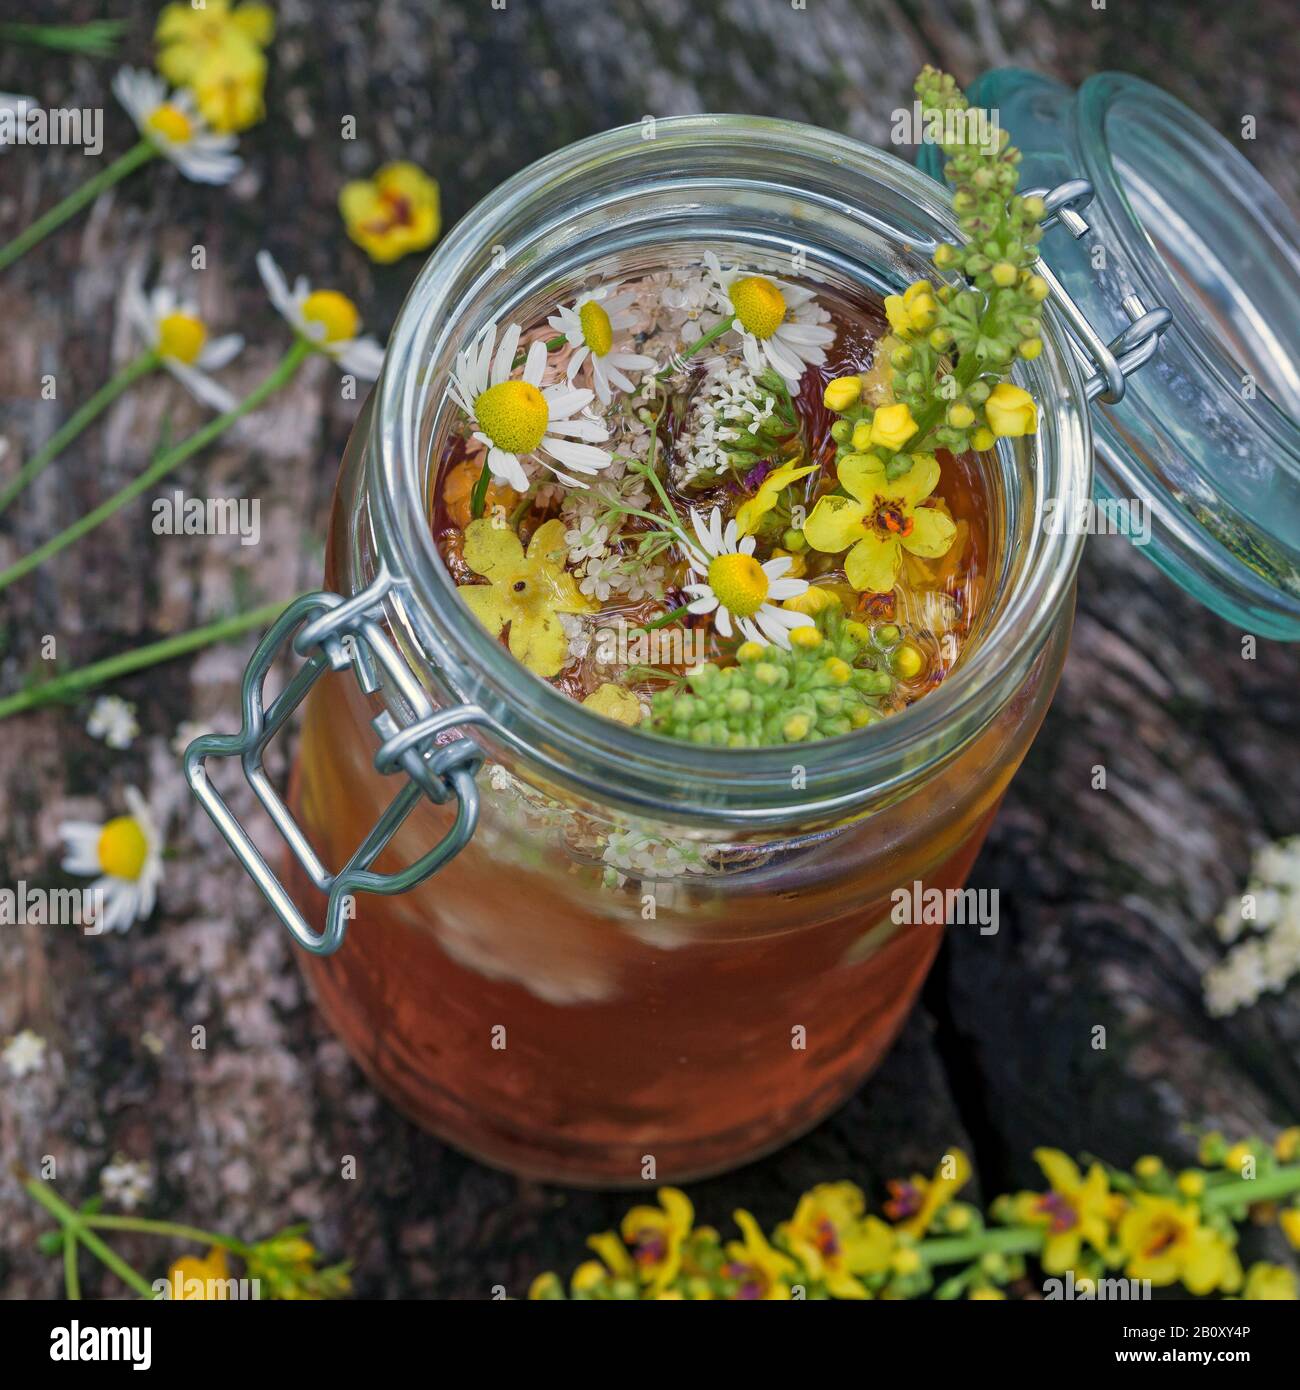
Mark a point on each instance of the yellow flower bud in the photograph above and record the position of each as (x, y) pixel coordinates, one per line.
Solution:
(796, 727)
(805, 637)
(1037, 288)
(892, 426)
(798, 565)
(906, 1261)
(843, 392)
(1287, 1145)
(1004, 275)
(1010, 410)
(961, 416)
(812, 601)
(1237, 1157)
(1030, 348)
(982, 439)
(749, 651)
(908, 661)
(837, 668)
(1149, 1166)
(860, 440)
(1191, 1183)
(1290, 1224)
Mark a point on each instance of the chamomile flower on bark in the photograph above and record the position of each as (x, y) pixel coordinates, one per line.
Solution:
(595, 325)
(173, 126)
(125, 857)
(327, 320)
(780, 325)
(172, 328)
(517, 420)
(738, 590)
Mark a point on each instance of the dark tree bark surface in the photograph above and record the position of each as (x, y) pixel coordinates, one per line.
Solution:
(1107, 897)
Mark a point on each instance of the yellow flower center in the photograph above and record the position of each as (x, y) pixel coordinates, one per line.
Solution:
(759, 305)
(171, 123)
(740, 584)
(513, 415)
(597, 331)
(181, 336)
(335, 311)
(123, 848)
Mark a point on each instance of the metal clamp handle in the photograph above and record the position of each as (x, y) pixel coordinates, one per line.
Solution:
(1112, 362)
(331, 632)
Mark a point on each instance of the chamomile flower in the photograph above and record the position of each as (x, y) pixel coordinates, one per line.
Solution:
(327, 319)
(735, 587)
(594, 325)
(125, 854)
(517, 419)
(172, 328)
(780, 325)
(24, 1054)
(113, 720)
(173, 126)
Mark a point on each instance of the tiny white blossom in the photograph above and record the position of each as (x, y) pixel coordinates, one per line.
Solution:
(24, 1053)
(113, 720)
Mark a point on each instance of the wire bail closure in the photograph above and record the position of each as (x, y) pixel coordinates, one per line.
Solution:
(332, 633)
(1117, 360)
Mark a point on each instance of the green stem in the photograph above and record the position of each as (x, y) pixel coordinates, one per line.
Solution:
(74, 1225)
(165, 462)
(521, 510)
(165, 1228)
(96, 39)
(664, 619)
(85, 677)
(478, 498)
(71, 1279)
(90, 190)
(702, 341)
(72, 427)
(1011, 1240)
(1280, 1183)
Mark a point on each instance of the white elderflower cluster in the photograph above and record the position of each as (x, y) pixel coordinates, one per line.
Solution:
(730, 403)
(634, 854)
(1269, 909)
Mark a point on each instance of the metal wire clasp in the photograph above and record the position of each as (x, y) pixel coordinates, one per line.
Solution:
(332, 632)
(1110, 362)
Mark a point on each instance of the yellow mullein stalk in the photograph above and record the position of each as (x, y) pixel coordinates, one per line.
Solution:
(751, 512)
(395, 212)
(935, 1192)
(762, 1271)
(655, 1236)
(1078, 1209)
(880, 519)
(833, 1240)
(1166, 1243)
(525, 591)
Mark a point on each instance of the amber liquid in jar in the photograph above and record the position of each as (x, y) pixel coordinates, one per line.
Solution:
(520, 1003)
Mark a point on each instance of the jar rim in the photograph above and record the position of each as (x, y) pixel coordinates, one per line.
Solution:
(644, 772)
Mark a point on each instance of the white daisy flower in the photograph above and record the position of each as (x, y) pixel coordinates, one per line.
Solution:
(173, 126)
(327, 319)
(593, 325)
(172, 328)
(735, 586)
(113, 720)
(780, 325)
(24, 1054)
(516, 419)
(126, 854)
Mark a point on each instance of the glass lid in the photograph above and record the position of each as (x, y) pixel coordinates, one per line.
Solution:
(1199, 462)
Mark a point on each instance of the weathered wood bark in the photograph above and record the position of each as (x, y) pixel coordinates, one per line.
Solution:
(1106, 896)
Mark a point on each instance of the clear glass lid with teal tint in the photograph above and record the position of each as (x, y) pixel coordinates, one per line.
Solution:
(1206, 437)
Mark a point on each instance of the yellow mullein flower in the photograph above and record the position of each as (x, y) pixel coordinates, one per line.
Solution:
(655, 1236)
(527, 591)
(913, 311)
(216, 51)
(1166, 1243)
(1010, 411)
(1270, 1283)
(892, 426)
(916, 1202)
(762, 1271)
(195, 1277)
(1077, 1209)
(395, 212)
(842, 393)
(546, 1287)
(880, 519)
(835, 1243)
(615, 702)
(752, 511)
(1287, 1145)
(1290, 1224)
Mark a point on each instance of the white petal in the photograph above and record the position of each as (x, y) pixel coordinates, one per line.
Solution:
(505, 358)
(506, 468)
(363, 357)
(535, 363)
(221, 351)
(200, 386)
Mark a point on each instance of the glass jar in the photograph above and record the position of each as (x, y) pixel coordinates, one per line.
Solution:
(650, 952)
